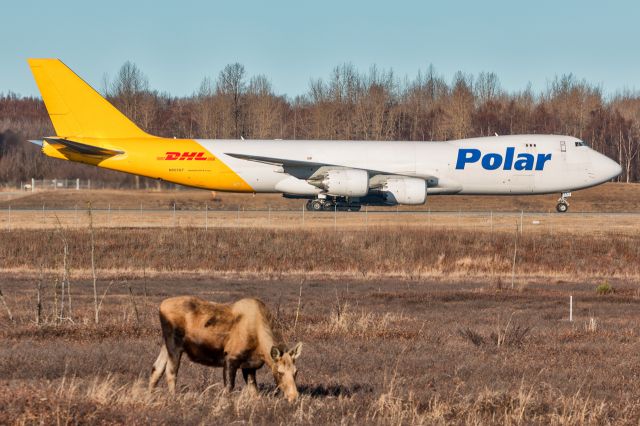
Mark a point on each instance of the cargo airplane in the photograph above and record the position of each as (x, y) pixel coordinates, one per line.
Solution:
(330, 174)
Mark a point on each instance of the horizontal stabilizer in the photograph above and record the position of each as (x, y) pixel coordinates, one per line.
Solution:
(82, 148)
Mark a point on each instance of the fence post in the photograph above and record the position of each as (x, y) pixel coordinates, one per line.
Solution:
(33, 184)
(570, 308)
(77, 184)
(109, 215)
(491, 221)
(174, 214)
(303, 214)
(521, 220)
(206, 216)
(9, 217)
(366, 216)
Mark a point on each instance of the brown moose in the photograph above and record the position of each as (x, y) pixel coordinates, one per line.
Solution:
(232, 336)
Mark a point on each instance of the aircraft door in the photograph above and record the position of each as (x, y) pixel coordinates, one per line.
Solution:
(523, 182)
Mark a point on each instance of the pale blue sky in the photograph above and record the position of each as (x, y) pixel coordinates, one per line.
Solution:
(177, 43)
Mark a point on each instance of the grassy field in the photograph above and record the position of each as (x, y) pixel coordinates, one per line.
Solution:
(404, 321)
(379, 252)
(367, 221)
(381, 351)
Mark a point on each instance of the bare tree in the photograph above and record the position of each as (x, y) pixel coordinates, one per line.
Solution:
(131, 92)
(231, 86)
(346, 104)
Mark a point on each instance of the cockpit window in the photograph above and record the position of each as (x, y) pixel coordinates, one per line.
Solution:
(581, 143)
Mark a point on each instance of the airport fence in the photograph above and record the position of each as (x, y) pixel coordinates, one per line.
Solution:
(208, 218)
(35, 185)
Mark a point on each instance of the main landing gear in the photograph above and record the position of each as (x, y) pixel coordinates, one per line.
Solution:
(563, 204)
(327, 204)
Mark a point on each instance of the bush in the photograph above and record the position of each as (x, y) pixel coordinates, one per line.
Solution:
(604, 288)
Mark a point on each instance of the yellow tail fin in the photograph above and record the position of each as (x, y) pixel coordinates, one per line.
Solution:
(75, 108)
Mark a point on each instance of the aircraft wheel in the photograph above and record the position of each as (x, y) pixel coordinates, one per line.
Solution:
(329, 206)
(316, 205)
(562, 207)
(354, 208)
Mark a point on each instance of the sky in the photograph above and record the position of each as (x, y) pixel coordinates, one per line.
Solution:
(177, 43)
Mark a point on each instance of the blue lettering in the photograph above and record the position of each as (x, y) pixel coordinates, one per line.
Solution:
(542, 158)
(494, 161)
(524, 162)
(467, 156)
(491, 161)
(508, 158)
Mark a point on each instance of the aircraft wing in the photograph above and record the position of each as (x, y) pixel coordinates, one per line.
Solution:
(277, 161)
(291, 166)
(314, 171)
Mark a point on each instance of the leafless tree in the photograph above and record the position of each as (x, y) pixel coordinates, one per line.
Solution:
(231, 86)
(346, 104)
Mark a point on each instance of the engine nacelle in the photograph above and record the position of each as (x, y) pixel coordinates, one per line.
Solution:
(346, 182)
(404, 190)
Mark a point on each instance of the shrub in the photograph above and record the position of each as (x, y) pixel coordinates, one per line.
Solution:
(604, 288)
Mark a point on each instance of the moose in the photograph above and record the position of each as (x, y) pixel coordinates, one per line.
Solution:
(233, 336)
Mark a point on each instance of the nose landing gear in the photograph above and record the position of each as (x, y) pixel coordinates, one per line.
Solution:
(563, 204)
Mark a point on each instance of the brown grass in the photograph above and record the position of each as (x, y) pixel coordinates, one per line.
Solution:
(376, 351)
(378, 252)
(401, 325)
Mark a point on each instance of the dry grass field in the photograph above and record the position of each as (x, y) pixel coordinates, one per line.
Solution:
(612, 207)
(610, 197)
(377, 351)
(457, 321)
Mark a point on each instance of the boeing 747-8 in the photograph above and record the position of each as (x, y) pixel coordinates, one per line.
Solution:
(330, 174)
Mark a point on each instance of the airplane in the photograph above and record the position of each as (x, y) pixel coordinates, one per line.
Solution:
(331, 175)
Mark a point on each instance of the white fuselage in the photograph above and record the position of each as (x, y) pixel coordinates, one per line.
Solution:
(521, 164)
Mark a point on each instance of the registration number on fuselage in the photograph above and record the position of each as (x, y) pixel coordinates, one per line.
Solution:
(508, 161)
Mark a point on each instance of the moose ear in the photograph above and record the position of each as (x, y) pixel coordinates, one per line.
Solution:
(275, 353)
(296, 351)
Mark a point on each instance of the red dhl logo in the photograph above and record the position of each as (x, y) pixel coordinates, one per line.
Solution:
(199, 156)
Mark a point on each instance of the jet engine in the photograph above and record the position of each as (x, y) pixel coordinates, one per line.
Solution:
(404, 190)
(346, 182)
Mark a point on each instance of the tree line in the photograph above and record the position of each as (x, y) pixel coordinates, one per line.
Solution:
(346, 105)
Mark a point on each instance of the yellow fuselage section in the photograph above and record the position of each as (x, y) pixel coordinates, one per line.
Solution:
(182, 161)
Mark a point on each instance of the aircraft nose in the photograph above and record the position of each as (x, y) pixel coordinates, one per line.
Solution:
(607, 168)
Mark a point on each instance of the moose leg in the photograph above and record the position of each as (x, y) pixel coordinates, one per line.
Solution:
(173, 363)
(158, 368)
(229, 374)
(173, 340)
(249, 376)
